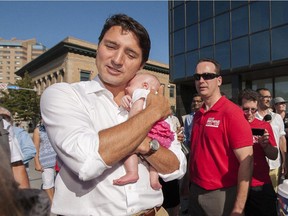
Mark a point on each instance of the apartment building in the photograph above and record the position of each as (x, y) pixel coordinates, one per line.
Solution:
(14, 54)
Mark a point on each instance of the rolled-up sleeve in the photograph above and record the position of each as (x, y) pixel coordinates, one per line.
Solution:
(177, 174)
(72, 124)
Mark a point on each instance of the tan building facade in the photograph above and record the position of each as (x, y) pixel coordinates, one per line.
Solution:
(73, 60)
(14, 54)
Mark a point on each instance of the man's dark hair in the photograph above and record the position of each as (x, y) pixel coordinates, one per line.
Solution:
(262, 89)
(213, 61)
(249, 95)
(129, 24)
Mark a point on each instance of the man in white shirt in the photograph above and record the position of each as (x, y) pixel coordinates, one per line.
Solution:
(278, 166)
(91, 132)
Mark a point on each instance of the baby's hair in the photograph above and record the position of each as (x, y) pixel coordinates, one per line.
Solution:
(151, 79)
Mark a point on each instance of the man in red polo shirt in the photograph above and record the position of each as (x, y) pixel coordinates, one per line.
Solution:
(221, 159)
(261, 198)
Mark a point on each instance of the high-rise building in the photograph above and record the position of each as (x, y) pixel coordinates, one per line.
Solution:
(248, 38)
(14, 54)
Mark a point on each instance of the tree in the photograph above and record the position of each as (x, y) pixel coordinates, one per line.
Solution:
(23, 104)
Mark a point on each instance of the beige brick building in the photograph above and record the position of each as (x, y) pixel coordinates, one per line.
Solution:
(16, 53)
(73, 60)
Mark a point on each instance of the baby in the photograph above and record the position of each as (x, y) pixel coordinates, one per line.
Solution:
(134, 101)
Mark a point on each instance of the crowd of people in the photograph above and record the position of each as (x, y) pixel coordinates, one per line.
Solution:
(120, 151)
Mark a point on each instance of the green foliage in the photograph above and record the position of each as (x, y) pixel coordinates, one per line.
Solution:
(23, 104)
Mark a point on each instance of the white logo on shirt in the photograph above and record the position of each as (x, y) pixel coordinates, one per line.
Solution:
(211, 122)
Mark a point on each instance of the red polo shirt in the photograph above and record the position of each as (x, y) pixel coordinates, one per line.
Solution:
(261, 168)
(215, 134)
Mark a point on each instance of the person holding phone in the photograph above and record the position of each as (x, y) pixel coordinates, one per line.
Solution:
(261, 197)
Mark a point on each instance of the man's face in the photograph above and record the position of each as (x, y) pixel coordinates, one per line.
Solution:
(249, 108)
(207, 87)
(265, 99)
(196, 104)
(118, 57)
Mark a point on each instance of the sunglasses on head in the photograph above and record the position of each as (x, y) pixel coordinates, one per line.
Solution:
(205, 76)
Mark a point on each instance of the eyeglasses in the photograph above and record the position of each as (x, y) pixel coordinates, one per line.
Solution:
(205, 76)
(247, 110)
(266, 97)
(197, 101)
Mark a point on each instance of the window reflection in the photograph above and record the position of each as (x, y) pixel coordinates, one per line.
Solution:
(221, 6)
(240, 52)
(222, 27)
(179, 42)
(258, 52)
(281, 84)
(179, 12)
(279, 12)
(192, 59)
(191, 12)
(207, 52)
(206, 33)
(206, 9)
(279, 43)
(239, 22)
(192, 37)
(179, 67)
(263, 83)
(222, 55)
(259, 12)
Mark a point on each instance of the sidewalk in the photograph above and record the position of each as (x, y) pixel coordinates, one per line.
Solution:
(35, 178)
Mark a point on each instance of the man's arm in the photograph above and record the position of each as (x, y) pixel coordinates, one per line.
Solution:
(245, 158)
(283, 151)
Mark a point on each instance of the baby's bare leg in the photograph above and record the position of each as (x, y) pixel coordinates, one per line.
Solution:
(131, 167)
(154, 179)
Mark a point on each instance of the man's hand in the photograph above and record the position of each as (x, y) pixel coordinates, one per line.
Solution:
(158, 103)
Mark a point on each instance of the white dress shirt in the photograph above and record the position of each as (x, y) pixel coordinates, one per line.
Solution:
(73, 115)
(278, 131)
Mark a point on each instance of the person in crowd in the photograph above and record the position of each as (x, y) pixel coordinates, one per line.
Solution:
(221, 157)
(91, 132)
(170, 189)
(26, 144)
(278, 167)
(196, 104)
(279, 105)
(15, 201)
(45, 159)
(261, 197)
(18, 168)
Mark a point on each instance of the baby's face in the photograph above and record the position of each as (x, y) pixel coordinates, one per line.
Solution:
(134, 84)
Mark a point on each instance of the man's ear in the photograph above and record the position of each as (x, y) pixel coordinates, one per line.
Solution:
(219, 81)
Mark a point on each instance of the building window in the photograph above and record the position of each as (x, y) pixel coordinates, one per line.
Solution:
(260, 53)
(279, 12)
(84, 75)
(240, 52)
(222, 27)
(240, 22)
(171, 91)
(281, 87)
(279, 43)
(259, 12)
(206, 33)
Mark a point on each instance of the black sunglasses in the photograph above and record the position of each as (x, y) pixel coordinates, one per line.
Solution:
(205, 76)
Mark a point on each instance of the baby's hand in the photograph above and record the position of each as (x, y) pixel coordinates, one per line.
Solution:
(125, 102)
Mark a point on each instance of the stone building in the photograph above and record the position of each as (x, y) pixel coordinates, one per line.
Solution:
(73, 60)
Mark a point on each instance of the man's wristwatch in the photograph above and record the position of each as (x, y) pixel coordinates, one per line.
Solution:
(153, 147)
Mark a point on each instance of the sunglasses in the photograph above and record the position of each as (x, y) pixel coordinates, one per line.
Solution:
(246, 110)
(205, 76)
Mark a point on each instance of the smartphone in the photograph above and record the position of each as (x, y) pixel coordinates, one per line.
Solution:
(258, 131)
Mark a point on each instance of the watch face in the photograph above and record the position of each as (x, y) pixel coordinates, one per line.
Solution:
(154, 145)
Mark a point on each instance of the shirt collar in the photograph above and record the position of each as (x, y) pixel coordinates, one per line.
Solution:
(94, 85)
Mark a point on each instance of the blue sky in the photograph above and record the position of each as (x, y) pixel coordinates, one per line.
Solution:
(52, 21)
